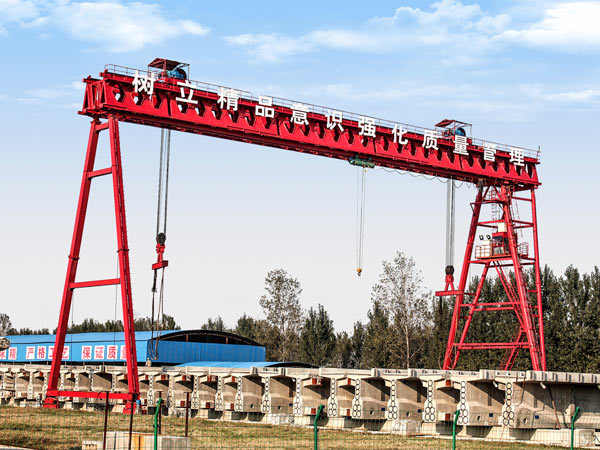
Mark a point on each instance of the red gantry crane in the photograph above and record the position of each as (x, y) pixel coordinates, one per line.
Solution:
(163, 96)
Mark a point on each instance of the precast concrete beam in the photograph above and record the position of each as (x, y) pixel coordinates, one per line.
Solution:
(7, 386)
(68, 381)
(481, 404)
(38, 384)
(205, 386)
(22, 384)
(146, 378)
(278, 396)
(341, 395)
(371, 397)
(406, 399)
(442, 399)
(249, 394)
(506, 405)
(120, 381)
(551, 404)
(102, 381)
(161, 387)
(310, 392)
(182, 385)
(227, 387)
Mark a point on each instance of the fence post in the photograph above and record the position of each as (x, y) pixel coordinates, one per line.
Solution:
(105, 422)
(454, 429)
(159, 414)
(133, 404)
(319, 410)
(156, 413)
(187, 410)
(573, 419)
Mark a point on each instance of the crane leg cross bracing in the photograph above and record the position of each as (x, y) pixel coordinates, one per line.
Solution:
(53, 392)
(501, 252)
(163, 97)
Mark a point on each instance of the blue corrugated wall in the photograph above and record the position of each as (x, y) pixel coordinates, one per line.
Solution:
(107, 348)
(170, 352)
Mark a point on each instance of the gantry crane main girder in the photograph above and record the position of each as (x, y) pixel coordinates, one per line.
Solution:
(114, 95)
(194, 107)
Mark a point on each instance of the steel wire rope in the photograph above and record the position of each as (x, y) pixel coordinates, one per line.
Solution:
(361, 181)
(163, 184)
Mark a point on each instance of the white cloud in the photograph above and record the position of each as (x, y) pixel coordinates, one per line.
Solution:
(575, 96)
(567, 26)
(448, 27)
(41, 95)
(19, 11)
(450, 24)
(271, 47)
(539, 93)
(121, 26)
(445, 14)
(118, 26)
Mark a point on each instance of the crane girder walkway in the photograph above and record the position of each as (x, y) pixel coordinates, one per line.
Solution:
(114, 94)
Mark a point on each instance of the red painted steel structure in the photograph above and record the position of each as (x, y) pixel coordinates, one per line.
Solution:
(524, 300)
(124, 279)
(113, 98)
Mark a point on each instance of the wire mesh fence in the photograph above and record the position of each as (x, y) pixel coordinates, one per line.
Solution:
(37, 428)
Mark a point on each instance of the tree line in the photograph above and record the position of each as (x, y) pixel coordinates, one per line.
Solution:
(89, 326)
(406, 325)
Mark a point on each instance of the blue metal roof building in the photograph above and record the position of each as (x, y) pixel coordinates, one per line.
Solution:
(172, 348)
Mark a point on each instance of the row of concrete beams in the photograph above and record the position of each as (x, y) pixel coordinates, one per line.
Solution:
(411, 400)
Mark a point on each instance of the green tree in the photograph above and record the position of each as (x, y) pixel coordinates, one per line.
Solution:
(556, 332)
(437, 334)
(349, 348)
(5, 324)
(215, 324)
(400, 294)
(489, 326)
(281, 306)
(342, 350)
(248, 327)
(317, 339)
(357, 343)
(140, 323)
(376, 344)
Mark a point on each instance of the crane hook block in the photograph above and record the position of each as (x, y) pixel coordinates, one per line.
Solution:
(160, 251)
(359, 271)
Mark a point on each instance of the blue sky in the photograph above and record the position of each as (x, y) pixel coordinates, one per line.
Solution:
(524, 73)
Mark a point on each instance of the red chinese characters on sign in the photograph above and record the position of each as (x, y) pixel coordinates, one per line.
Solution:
(30, 353)
(86, 352)
(3, 354)
(122, 353)
(99, 352)
(65, 354)
(111, 351)
(41, 352)
(12, 353)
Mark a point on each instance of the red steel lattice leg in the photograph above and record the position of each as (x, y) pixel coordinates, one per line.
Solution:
(528, 309)
(124, 279)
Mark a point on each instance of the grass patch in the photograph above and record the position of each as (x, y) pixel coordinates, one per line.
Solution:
(46, 429)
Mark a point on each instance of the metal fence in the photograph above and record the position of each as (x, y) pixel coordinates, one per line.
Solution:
(37, 428)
